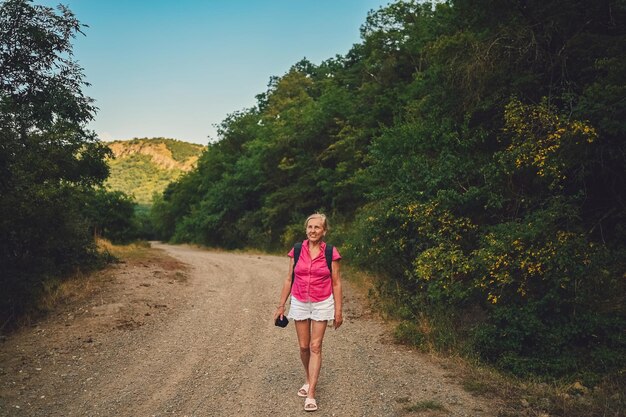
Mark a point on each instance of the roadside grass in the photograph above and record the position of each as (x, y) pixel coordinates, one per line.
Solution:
(141, 253)
(56, 292)
(477, 387)
(425, 405)
(361, 281)
(534, 397)
(440, 337)
(530, 397)
(572, 399)
(81, 284)
(134, 251)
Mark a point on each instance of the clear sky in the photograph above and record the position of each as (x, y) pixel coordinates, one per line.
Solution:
(167, 68)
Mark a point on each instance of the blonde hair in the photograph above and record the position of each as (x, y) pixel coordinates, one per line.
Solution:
(318, 216)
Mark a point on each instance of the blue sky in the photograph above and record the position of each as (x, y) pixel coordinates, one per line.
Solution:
(177, 68)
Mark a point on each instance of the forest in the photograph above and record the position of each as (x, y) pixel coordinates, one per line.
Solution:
(52, 202)
(470, 155)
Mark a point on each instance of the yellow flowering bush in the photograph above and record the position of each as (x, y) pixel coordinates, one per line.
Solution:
(543, 142)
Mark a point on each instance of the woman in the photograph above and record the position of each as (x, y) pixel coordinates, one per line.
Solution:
(315, 299)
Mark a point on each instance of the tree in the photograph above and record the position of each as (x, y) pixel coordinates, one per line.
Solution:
(111, 214)
(48, 160)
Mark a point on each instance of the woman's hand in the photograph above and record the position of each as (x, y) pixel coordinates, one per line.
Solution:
(338, 320)
(280, 312)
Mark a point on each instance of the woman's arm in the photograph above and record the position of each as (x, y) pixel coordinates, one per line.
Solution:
(284, 293)
(337, 295)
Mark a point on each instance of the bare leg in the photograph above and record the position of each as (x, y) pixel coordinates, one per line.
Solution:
(303, 329)
(318, 328)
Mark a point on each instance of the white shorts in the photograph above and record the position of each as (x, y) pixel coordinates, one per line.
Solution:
(320, 311)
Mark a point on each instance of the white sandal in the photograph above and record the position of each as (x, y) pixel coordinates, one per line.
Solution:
(304, 391)
(310, 404)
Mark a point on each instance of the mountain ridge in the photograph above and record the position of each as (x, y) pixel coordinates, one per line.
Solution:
(143, 166)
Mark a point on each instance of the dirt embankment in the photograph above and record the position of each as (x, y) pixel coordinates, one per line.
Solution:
(191, 335)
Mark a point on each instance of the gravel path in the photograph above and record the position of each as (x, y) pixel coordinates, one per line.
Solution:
(157, 342)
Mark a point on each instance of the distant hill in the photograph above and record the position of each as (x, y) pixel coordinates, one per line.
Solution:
(142, 167)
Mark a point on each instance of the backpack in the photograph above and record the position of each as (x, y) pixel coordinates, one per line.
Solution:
(297, 248)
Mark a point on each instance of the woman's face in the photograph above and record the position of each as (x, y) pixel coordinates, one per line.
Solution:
(315, 229)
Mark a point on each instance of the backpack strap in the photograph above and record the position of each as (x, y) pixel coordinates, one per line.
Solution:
(328, 253)
(297, 248)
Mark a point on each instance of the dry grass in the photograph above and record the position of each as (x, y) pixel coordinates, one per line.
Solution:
(133, 251)
(81, 285)
(59, 292)
(361, 281)
(536, 398)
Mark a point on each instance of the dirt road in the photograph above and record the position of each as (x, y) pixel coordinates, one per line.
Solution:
(192, 336)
